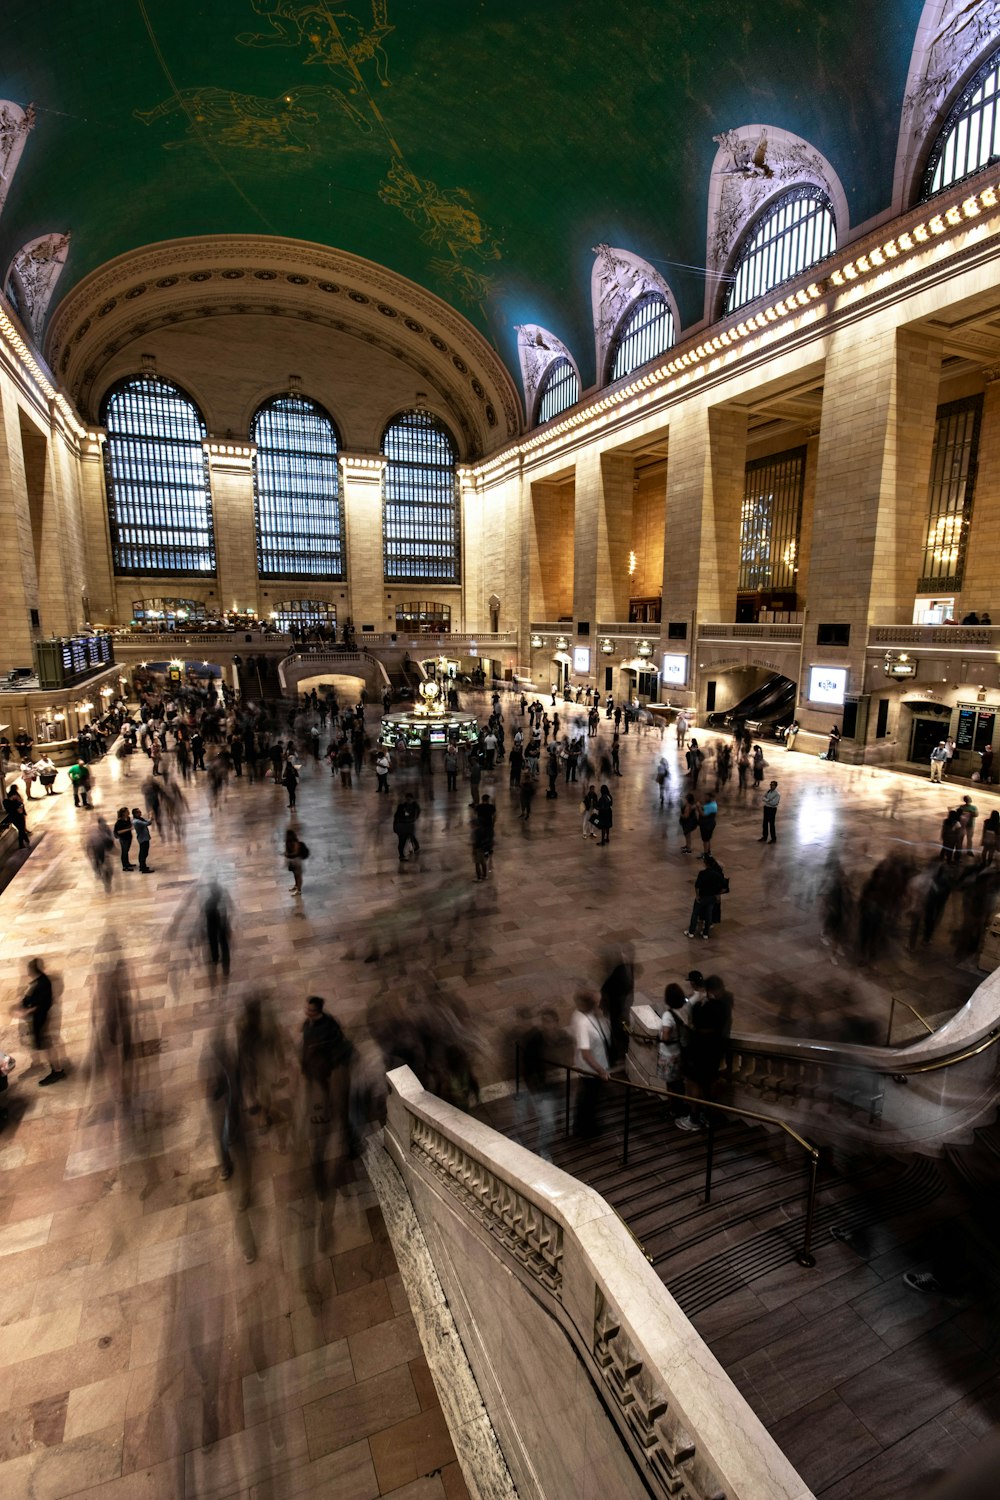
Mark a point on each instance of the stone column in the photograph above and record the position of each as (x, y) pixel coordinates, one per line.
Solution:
(880, 399)
(99, 566)
(706, 464)
(981, 579)
(602, 536)
(20, 585)
(361, 477)
(231, 477)
(474, 615)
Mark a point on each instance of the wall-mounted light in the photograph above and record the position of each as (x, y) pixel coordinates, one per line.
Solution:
(608, 646)
(536, 642)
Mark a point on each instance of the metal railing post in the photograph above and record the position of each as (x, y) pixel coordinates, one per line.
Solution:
(805, 1256)
(566, 1122)
(888, 1029)
(517, 1067)
(710, 1158)
(628, 1115)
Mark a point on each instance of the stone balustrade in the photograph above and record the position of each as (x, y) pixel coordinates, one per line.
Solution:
(594, 1380)
(976, 637)
(762, 630)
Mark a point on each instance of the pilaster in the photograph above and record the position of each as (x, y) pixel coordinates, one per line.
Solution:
(705, 480)
(231, 477)
(361, 477)
(602, 535)
(20, 588)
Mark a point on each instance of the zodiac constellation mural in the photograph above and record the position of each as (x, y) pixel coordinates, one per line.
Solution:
(345, 38)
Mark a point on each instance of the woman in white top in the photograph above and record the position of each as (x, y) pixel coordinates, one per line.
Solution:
(590, 1055)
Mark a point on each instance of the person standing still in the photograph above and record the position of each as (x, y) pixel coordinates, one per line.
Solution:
(123, 832)
(939, 759)
(770, 809)
(590, 1057)
(37, 1004)
(142, 826)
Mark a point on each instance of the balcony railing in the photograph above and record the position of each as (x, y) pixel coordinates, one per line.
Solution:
(976, 637)
(760, 631)
(164, 641)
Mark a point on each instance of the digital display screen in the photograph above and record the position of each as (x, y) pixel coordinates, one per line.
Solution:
(827, 685)
(581, 659)
(675, 670)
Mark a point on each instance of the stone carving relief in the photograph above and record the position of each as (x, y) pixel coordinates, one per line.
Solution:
(32, 276)
(952, 37)
(667, 1447)
(753, 165)
(537, 350)
(618, 280)
(15, 126)
(524, 1231)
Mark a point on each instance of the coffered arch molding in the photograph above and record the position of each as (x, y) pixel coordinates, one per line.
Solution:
(223, 275)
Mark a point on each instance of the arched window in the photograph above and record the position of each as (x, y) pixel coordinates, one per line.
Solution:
(795, 231)
(560, 389)
(304, 615)
(647, 331)
(420, 521)
(300, 527)
(970, 137)
(423, 616)
(159, 502)
(168, 614)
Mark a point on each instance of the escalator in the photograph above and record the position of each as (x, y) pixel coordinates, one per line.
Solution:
(767, 707)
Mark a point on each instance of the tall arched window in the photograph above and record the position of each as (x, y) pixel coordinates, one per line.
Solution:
(159, 503)
(300, 527)
(559, 390)
(420, 520)
(970, 137)
(647, 331)
(794, 232)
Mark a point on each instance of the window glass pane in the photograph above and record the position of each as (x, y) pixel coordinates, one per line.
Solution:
(647, 332)
(159, 503)
(294, 615)
(950, 493)
(560, 390)
(966, 142)
(297, 491)
(420, 520)
(796, 232)
(770, 522)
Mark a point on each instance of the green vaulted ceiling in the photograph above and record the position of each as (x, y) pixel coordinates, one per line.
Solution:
(479, 148)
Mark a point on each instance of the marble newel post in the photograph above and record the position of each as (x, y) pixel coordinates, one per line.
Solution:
(362, 481)
(231, 476)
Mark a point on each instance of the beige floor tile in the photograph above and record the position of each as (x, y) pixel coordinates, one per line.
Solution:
(91, 1407)
(379, 1348)
(52, 1473)
(39, 1335)
(297, 1381)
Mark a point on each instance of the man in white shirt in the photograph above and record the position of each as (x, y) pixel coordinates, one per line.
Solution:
(770, 802)
(590, 1056)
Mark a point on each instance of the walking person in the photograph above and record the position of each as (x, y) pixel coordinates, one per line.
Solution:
(527, 793)
(590, 1057)
(404, 825)
(36, 1004)
(709, 887)
(451, 766)
(80, 780)
(484, 818)
(29, 776)
(662, 777)
(758, 765)
(538, 1096)
(970, 813)
(47, 773)
(605, 814)
(588, 807)
(123, 832)
(991, 828)
(383, 765)
(290, 780)
(833, 744)
(14, 811)
(689, 817)
(770, 810)
(295, 852)
(707, 819)
(695, 760)
(142, 825)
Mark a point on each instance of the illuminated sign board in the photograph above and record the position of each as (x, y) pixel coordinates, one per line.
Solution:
(827, 685)
(675, 670)
(581, 659)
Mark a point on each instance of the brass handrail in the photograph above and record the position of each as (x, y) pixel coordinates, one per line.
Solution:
(890, 1070)
(804, 1257)
(893, 1002)
(948, 1062)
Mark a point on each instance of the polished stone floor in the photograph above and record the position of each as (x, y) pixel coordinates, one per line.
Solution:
(140, 1356)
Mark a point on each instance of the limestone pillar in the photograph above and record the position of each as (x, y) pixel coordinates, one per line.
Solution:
(706, 463)
(981, 578)
(231, 478)
(602, 536)
(880, 398)
(473, 613)
(96, 535)
(20, 585)
(361, 478)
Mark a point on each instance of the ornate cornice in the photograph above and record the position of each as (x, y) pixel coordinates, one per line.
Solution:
(288, 278)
